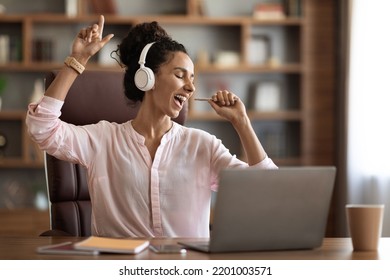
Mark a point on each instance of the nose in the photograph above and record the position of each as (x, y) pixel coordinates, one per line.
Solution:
(189, 87)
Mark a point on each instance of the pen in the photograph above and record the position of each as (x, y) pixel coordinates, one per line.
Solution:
(202, 99)
(207, 99)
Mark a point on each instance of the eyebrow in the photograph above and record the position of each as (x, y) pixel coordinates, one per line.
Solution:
(184, 70)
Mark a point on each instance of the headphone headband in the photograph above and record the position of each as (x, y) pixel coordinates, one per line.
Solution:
(144, 77)
(144, 52)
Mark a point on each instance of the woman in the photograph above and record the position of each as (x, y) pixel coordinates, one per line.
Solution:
(149, 176)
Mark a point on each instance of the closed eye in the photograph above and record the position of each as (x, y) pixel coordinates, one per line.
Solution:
(182, 77)
(182, 72)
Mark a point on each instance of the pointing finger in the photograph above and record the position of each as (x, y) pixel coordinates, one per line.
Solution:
(100, 26)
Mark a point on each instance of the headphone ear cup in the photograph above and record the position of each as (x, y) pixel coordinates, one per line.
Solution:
(144, 78)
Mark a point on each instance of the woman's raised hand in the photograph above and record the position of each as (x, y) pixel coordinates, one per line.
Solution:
(89, 41)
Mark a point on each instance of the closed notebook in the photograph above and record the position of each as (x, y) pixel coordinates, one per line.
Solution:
(113, 245)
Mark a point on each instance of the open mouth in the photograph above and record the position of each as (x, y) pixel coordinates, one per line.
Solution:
(180, 98)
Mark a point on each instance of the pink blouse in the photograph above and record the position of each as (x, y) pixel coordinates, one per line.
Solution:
(131, 194)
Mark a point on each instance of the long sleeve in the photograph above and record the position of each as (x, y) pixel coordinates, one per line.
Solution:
(76, 144)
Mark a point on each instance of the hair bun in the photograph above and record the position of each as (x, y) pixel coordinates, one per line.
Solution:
(138, 37)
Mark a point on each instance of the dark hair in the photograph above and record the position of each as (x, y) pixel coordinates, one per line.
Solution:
(131, 47)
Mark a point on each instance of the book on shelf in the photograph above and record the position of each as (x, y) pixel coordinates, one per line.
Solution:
(104, 7)
(10, 48)
(15, 52)
(273, 136)
(266, 96)
(42, 50)
(4, 49)
(293, 8)
(71, 7)
(269, 11)
(112, 245)
(196, 7)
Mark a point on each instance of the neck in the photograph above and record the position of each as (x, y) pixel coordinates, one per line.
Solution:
(151, 126)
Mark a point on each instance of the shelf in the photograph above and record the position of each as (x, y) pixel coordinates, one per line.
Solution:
(243, 68)
(294, 43)
(12, 115)
(10, 163)
(12, 18)
(166, 19)
(49, 66)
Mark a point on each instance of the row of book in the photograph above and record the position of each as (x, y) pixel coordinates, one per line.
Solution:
(42, 50)
(280, 139)
(10, 49)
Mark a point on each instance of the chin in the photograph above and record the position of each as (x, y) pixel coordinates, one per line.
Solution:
(175, 115)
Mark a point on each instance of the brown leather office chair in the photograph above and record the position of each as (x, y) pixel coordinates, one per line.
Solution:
(94, 96)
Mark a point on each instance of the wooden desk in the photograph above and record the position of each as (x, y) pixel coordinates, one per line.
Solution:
(23, 248)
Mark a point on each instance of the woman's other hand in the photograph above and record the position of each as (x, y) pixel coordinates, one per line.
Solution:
(228, 106)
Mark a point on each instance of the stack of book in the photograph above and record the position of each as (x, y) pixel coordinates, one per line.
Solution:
(277, 10)
(269, 11)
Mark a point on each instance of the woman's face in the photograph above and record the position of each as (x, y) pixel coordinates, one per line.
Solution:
(174, 84)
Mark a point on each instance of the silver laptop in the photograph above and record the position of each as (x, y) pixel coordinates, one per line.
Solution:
(256, 210)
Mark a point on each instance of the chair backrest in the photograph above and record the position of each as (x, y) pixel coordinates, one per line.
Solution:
(94, 96)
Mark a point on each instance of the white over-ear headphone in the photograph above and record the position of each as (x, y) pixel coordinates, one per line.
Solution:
(144, 77)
